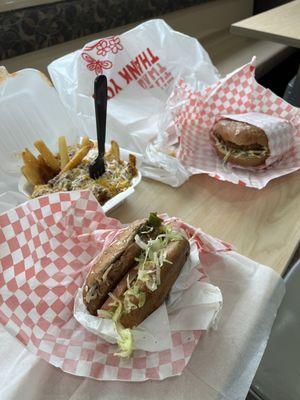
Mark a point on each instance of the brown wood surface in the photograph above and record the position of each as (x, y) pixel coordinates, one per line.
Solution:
(281, 25)
(262, 224)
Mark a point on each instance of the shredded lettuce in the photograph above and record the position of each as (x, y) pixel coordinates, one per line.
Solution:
(105, 314)
(125, 341)
(147, 229)
(150, 262)
(140, 243)
(128, 281)
(143, 273)
(128, 305)
(118, 311)
(131, 292)
(142, 299)
(240, 152)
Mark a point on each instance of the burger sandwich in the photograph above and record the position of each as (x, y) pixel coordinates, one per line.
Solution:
(240, 143)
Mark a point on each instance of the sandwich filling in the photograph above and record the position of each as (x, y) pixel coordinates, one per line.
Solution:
(245, 151)
(144, 277)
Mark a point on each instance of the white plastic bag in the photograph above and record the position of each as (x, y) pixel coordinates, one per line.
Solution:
(142, 66)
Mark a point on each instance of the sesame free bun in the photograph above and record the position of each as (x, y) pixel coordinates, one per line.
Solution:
(240, 133)
(118, 258)
(240, 143)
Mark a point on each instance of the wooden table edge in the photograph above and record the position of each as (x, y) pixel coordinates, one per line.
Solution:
(237, 29)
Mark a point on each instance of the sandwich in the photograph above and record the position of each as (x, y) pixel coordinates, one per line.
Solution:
(240, 143)
(134, 275)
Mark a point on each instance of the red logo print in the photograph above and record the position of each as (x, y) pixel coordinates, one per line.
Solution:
(96, 65)
(104, 46)
(111, 44)
(101, 46)
(115, 44)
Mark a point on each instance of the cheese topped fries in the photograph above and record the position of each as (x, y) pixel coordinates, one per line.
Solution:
(69, 169)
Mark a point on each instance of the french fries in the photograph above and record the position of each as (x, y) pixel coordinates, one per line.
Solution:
(30, 159)
(31, 168)
(87, 142)
(76, 159)
(63, 151)
(114, 152)
(132, 164)
(132, 160)
(47, 155)
(39, 170)
(32, 175)
(46, 172)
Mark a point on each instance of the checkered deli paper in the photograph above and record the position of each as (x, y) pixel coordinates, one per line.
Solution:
(46, 245)
(237, 96)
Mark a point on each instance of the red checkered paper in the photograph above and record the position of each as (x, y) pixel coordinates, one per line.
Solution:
(46, 245)
(238, 93)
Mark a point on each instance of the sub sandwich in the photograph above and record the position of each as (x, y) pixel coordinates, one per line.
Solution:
(135, 274)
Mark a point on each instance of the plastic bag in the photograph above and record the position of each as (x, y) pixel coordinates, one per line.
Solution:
(142, 66)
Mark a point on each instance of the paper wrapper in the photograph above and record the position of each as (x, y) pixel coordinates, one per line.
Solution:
(46, 245)
(195, 112)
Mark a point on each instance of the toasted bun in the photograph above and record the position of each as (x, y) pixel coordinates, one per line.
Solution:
(240, 133)
(176, 254)
(119, 257)
(239, 160)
